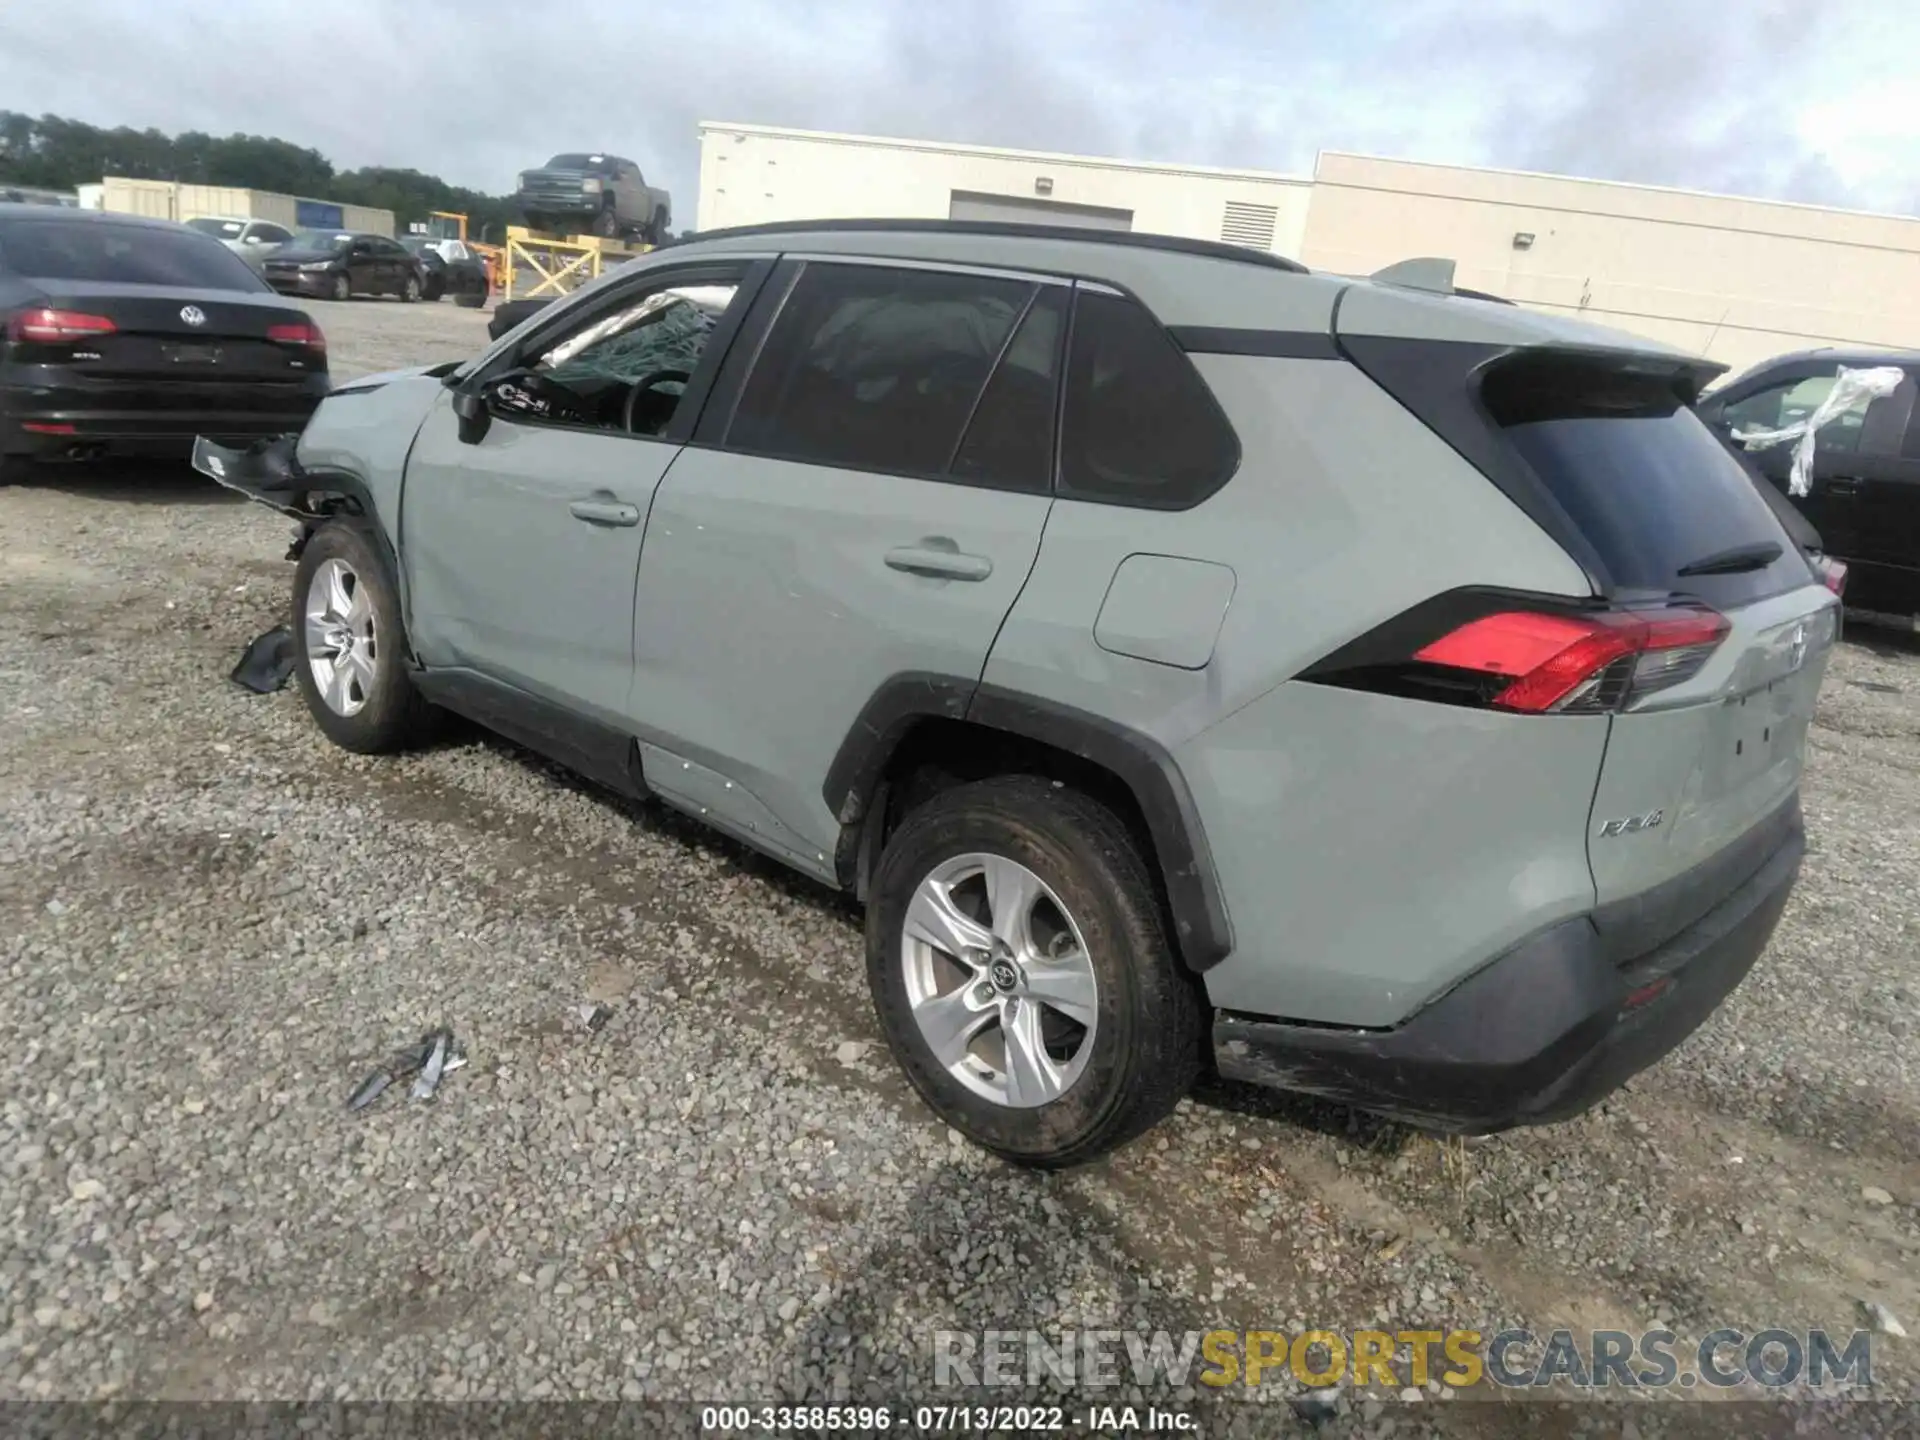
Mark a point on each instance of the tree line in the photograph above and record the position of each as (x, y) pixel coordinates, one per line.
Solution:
(52, 153)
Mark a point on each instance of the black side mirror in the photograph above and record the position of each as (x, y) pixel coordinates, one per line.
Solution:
(475, 418)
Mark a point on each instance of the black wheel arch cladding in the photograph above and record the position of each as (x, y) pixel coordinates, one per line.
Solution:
(1202, 930)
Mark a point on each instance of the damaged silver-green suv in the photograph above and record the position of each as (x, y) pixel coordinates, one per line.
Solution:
(1368, 689)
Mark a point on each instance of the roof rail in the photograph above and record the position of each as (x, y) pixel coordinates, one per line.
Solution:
(1174, 244)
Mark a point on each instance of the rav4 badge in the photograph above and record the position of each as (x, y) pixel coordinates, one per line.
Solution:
(1632, 824)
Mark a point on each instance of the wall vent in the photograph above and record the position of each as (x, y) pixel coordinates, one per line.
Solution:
(1249, 225)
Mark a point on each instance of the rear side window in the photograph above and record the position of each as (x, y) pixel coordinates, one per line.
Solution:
(1139, 425)
(876, 368)
(1794, 401)
(1009, 443)
(1643, 480)
(122, 255)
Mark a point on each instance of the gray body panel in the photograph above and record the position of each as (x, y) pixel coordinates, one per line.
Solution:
(505, 578)
(768, 611)
(1371, 851)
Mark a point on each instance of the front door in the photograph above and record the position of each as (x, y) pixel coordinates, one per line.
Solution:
(521, 546)
(868, 509)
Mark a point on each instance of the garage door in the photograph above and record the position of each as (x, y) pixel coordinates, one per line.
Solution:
(973, 205)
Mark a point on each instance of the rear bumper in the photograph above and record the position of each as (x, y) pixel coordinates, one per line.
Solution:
(149, 418)
(1549, 1028)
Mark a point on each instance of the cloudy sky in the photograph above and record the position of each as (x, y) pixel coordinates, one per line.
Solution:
(1801, 101)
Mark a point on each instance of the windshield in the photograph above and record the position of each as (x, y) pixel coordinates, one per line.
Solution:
(579, 162)
(121, 254)
(219, 229)
(320, 240)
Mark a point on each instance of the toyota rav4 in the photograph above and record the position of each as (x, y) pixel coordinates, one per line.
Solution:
(1364, 688)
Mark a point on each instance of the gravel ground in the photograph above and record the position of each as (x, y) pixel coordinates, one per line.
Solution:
(213, 924)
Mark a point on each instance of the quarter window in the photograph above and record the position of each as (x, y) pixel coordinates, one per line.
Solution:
(1139, 425)
(877, 368)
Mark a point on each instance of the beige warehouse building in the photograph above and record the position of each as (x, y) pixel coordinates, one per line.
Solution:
(1736, 279)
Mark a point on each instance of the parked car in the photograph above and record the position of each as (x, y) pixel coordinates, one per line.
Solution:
(1391, 696)
(121, 335)
(339, 264)
(450, 267)
(591, 194)
(1864, 499)
(252, 240)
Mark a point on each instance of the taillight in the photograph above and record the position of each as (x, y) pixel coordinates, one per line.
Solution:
(305, 334)
(1511, 652)
(1832, 573)
(56, 327)
(1580, 663)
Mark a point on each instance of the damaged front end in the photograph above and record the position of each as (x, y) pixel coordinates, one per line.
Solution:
(269, 473)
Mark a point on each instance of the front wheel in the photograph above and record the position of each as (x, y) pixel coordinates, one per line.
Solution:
(410, 292)
(342, 288)
(351, 647)
(1022, 973)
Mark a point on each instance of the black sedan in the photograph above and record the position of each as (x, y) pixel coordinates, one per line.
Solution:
(452, 268)
(124, 335)
(340, 264)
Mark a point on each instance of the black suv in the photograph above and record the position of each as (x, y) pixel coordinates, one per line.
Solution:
(1865, 495)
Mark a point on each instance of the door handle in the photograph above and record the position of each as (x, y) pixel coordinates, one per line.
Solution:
(940, 563)
(1843, 485)
(604, 512)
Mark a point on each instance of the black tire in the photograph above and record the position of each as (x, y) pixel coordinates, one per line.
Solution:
(1149, 1040)
(607, 223)
(472, 295)
(410, 289)
(342, 288)
(392, 714)
(434, 288)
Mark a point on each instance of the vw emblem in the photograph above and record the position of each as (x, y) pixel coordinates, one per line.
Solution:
(193, 315)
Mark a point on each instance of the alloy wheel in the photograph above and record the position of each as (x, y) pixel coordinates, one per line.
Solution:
(342, 643)
(999, 980)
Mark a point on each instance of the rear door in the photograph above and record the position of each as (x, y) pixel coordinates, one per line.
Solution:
(1885, 482)
(1718, 749)
(863, 502)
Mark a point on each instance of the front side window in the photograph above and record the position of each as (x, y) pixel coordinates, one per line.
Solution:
(1138, 426)
(877, 368)
(625, 370)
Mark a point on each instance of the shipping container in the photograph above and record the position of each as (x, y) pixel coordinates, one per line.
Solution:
(168, 200)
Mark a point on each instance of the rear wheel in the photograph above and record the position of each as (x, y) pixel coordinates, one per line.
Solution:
(472, 294)
(607, 223)
(351, 647)
(1022, 974)
(342, 288)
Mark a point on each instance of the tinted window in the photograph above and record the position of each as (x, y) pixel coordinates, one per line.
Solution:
(1009, 442)
(272, 234)
(321, 239)
(1139, 426)
(876, 368)
(219, 229)
(1641, 477)
(121, 254)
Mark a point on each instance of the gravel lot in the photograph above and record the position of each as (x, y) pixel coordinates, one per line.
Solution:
(213, 924)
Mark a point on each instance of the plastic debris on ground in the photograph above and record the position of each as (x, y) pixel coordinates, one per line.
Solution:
(1853, 389)
(267, 663)
(432, 1058)
(591, 1016)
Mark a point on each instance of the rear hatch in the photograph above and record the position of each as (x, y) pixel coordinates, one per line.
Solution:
(1592, 434)
(1711, 739)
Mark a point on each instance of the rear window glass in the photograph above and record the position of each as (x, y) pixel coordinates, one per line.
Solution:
(121, 255)
(876, 368)
(1643, 479)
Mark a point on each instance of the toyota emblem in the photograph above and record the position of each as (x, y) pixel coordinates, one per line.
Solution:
(193, 315)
